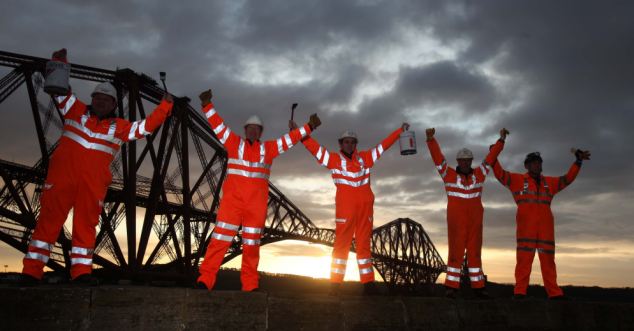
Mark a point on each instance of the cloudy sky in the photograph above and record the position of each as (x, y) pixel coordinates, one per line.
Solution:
(556, 74)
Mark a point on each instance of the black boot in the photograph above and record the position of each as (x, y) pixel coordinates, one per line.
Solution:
(370, 289)
(519, 296)
(451, 293)
(481, 293)
(201, 286)
(334, 289)
(85, 280)
(28, 281)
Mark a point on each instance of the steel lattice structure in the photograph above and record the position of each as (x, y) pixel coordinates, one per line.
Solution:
(174, 195)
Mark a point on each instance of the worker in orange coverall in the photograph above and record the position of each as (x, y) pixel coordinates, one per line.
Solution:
(79, 176)
(533, 194)
(464, 211)
(245, 192)
(354, 201)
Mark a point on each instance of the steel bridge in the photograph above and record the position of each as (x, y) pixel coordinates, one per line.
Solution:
(170, 183)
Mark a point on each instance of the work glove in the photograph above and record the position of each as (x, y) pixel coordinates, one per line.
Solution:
(314, 122)
(503, 133)
(60, 55)
(292, 125)
(205, 97)
(430, 133)
(405, 126)
(582, 155)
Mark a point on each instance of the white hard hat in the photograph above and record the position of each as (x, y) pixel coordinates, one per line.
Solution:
(107, 89)
(464, 154)
(254, 120)
(348, 134)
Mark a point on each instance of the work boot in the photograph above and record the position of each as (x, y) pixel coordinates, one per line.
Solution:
(28, 281)
(559, 298)
(518, 296)
(201, 286)
(85, 280)
(451, 293)
(370, 289)
(334, 289)
(481, 293)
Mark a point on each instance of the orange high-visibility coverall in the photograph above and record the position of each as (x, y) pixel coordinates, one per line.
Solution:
(464, 214)
(354, 203)
(535, 223)
(245, 194)
(78, 177)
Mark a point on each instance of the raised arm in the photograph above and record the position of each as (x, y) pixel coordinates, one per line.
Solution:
(222, 132)
(321, 154)
(494, 151)
(436, 154)
(285, 142)
(503, 176)
(69, 105)
(139, 129)
(373, 154)
(560, 183)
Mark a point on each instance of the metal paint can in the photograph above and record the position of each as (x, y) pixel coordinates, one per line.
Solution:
(407, 142)
(57, 74)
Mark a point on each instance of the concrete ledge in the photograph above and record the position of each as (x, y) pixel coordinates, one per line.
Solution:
(149, 308)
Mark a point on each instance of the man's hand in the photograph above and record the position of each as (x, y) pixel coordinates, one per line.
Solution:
(430, 133)
(60, 55)
(168, 97)
(314, 121)
(292, 125)
(582, 155)
(205, 98)
(405, 126)
(503, 133)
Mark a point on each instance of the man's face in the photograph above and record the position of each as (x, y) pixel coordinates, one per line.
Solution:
(103, 104)
(534, 167)
(464, 164)
(348, 145)
(252, 132)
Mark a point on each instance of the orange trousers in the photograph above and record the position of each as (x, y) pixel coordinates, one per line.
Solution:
(354, 219)
(536, 232)
(464, 224)
(70, 183)
(244, 203)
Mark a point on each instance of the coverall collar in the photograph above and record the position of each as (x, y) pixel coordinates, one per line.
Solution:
(351, 156)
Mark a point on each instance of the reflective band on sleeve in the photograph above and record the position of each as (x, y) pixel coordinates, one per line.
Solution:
(280, 147)
(222, 237)
(319, 152)
(484, 168)
(69, 103)
(374, 154)
(219, 128)
(80, 260)
(474, 270)
(41, 245)
(365, 270)
(442, 164)
(249, 164)
(247, 229)
(444, 173)
(227, 226)
(339, 261)
(211, 112)
(364, 261)
(338, 271)
(350, 183)
(453, 278)
(131, 134)
(302, 131)
(250, 242)
(36, 256)
(289, 142)
(241, 150)
(248, 174)
(454, 270)
(85, 143)
(91, 134)
(225, 136)
(142, 128)
(340, 220)
(81, 251)
(380, 149)
(326, 158)
(262, 153)
(464, 195)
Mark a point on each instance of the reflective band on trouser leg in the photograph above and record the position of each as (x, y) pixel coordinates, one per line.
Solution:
(476, 276)
(366, 273)
(338, 269)
(453, 277)
(80, 261)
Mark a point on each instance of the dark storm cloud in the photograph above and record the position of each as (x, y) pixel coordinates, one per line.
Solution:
(557, 74)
